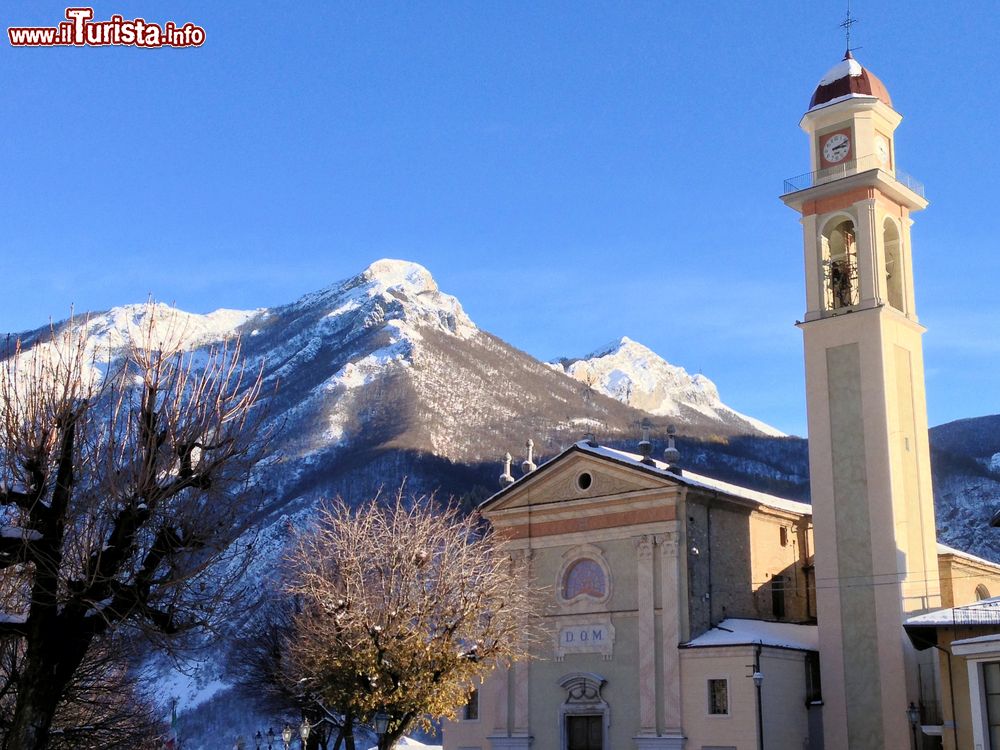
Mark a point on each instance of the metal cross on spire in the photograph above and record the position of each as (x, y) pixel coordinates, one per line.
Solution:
(846, 25)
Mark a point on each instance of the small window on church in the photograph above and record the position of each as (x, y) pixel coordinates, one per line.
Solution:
(783, 536)
(585, 577)
(470, 712)
(718, 697)
(814, 690)
(778, 597)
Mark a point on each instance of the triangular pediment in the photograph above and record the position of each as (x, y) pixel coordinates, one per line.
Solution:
(576, 475)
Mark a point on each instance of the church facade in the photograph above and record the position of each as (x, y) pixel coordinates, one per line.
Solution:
(669, 590)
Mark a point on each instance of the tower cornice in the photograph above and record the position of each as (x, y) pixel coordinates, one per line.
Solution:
(878, 311)
(878, 179)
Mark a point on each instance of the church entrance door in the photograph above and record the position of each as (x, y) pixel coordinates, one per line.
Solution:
(585, 732)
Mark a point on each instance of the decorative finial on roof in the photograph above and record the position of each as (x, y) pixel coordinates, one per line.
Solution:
(646, 447)
(506, 478)
(671, 455)
(528, 465)
(590, 440)
(846, 25)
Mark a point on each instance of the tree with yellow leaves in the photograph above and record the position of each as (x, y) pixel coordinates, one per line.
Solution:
(402, 608)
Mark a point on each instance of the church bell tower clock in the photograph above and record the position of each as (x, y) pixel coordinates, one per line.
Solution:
(869, 461)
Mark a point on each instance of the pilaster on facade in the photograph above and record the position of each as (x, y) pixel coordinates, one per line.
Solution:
(647, 634)
(670, 635)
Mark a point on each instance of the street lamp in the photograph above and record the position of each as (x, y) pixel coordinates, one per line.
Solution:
(913, 714)
(258, 738)
(304, 732)
(381, 725)
(270, 738)
(758, 681)
(286, 735)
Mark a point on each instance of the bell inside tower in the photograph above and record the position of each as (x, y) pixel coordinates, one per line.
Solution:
(841, 265)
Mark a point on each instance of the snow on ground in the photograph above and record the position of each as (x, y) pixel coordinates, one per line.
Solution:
(191, 688)
(407, 742)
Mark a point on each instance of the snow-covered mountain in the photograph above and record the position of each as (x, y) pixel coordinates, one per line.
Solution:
(635, 375)
(385, 362)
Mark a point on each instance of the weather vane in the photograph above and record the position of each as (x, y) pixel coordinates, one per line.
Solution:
(846, 25)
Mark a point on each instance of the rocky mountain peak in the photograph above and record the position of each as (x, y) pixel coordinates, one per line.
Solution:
(396, 294)
(637, 376)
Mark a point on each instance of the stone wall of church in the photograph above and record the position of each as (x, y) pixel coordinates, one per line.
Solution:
(745, 563)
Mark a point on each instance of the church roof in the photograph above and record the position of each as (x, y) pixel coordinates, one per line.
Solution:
(697, 480)
(738, 632)
(985, 612)
(922, 629)
(666, 471)
(846, 80)
(944, 549)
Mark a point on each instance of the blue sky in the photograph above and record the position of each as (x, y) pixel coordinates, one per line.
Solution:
(572, 171)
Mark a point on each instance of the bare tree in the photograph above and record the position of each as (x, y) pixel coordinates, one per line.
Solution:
(404, 606)
(124, 499)
(104, 707)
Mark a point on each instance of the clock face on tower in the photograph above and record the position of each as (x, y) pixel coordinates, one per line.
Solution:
(882, 149)
(836, 148)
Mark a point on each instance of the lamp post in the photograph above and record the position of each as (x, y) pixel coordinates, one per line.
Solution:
(381, 726)
(258, 739)
(286, 735)
(270, 738)
(758, 680)
(913, 714)
(304, 731)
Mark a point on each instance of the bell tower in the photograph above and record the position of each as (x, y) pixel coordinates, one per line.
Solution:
(869, 461)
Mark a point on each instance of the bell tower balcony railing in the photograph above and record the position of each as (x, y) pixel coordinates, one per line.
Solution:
(857, 166)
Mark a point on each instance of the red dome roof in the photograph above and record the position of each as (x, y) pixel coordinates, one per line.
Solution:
(846, 79)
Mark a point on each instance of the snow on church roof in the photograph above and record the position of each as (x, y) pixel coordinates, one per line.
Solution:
(846, 80)
(985, 612)
(944, 549)
(697, 480)
(738, 632)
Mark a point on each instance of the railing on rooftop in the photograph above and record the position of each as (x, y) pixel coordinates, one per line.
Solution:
(986, 612)
(864, 164)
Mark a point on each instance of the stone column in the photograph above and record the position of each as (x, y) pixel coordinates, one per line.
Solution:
(670, 601)
(867, 245)
(501, 728)
(815, 277)
(647, 636)
(521, 668)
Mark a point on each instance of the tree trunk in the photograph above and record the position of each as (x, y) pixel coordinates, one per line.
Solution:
(38, 693)
(55, 652)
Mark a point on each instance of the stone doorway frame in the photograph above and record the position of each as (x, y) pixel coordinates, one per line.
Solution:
(583, 698)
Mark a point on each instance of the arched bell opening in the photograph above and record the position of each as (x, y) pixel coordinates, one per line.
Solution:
(840, 262)
(893, 266)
